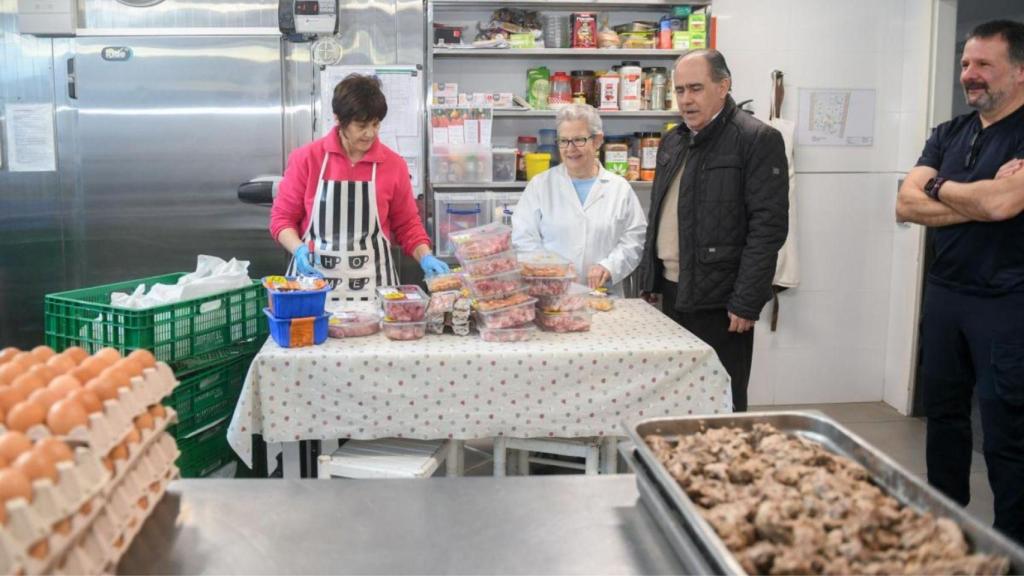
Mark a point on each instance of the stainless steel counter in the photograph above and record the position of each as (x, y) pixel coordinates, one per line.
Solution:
(528, 525)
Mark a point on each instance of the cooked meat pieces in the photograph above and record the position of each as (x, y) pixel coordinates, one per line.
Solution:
(785, 505)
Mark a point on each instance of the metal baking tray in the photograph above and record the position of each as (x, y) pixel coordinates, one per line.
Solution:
(897, 482)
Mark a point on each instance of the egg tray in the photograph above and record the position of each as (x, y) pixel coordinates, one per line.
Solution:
(79, 483)
(136, 451)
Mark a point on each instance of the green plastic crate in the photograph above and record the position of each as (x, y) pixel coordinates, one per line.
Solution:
(173, 332)
(204, 396)
(205, 451)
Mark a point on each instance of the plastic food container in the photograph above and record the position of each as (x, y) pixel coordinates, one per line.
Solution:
(491, 265)
(442, 303)
(495, 286)
(601, 301)
(544, 263)
(297, 332)
(444, 282)
(516, 298)
(504, 165)
(576, 298)
(519, 334)
(404, 330)
(348, 324)
(548, 286)
(508, 317)
(576, 321)
(288, 297)
(404, 303)
(481, 241)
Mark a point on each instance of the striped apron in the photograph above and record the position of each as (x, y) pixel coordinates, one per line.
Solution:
(349, 246)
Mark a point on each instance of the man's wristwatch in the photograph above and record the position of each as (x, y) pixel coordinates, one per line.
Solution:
(931, 188)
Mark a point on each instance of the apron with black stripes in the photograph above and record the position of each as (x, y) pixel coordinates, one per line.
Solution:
(349, 245)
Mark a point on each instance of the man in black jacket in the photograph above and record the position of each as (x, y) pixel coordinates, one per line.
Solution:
(719, 215)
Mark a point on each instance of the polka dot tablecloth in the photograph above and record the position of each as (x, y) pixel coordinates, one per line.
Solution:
(634, 363)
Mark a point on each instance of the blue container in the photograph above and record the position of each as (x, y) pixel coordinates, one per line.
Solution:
(295, 332)
(299, 303)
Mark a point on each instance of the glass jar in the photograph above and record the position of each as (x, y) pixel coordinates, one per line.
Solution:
(561, 90)
(657, 80)
(583, 83)
(524, 145)
(616, 155)
(649, 155)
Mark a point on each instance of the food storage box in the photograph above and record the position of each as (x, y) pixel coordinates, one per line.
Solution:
(297, 332)
(291, 297)
(518, 334)
(576, 298)
(404, 330)
(491, 265)
(444, 282)
(403, 303)
(548, 286)
(508, 317)
(601, 301)
(441, 303)
(544, 263)
(495, 286)
(349, 324)
(575, 321)
(517, 297)
(457, 211)
(503, 165)
(481, 241)
(458, 163)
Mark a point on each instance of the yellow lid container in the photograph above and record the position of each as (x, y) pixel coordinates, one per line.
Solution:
(537, 162)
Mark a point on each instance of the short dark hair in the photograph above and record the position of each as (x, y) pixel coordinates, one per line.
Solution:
(359, 98)
(1010, 31)
(715, 59)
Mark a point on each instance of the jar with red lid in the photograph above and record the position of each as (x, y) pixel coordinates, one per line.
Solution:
(561, 90)
(583, 83)
(524, 145)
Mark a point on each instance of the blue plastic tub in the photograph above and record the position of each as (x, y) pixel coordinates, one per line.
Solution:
(297, 332)
(298, 303)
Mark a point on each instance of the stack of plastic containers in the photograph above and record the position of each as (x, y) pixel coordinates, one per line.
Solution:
(296, 310)
(563, 305)
(504, 308)
(404, 308)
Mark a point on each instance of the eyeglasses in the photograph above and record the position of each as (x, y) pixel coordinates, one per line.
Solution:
(579, 141)
(972, 154)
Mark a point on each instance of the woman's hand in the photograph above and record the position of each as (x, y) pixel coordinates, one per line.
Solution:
(432, 265)
(598, 276)
(304, 261)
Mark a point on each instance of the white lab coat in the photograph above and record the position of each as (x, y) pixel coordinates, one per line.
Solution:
(608, 229)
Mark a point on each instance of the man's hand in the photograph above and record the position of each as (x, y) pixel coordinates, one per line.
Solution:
(649, 297)
(597, 276)
(739, 325)
(1010, 168)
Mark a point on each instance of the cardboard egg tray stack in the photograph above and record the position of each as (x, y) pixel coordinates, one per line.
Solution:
(83, 523)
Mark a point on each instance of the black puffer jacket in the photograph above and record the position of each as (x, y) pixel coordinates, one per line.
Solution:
(733, 213)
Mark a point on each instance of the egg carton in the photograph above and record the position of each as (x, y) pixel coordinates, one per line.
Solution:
(58, 514)
(156, 438)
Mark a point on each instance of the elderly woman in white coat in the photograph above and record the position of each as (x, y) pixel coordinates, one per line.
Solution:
(581, 211)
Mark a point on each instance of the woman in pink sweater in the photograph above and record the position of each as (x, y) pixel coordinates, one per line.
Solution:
(346, 197)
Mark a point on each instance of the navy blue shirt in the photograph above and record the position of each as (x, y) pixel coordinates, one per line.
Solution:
(985, 258)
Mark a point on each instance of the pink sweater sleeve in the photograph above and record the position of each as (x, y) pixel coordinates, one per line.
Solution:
(404, 217)
(289, 208)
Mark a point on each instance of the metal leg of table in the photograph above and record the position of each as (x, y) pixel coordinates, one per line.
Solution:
(523, 462)
(455, 463)
(592, 461)
(500, 454)
(609, 455)
(290, 460)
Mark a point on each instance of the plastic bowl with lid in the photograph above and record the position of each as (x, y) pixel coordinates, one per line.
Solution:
(403, 303)
(482, 241)
(350, 324)
(508, 317)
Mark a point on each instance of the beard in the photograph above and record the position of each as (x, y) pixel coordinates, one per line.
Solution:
(988, 100)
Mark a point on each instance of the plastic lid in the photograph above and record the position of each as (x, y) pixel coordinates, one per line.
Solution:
(615, 139)
(631, 63)
(527, 139)
(547, 131)
(560, 74)
(350, 317)
(582, 73)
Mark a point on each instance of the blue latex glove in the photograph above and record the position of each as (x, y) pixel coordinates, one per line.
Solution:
(432, 266)
(304, 262)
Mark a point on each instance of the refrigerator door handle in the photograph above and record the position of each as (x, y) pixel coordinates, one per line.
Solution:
(72, 81)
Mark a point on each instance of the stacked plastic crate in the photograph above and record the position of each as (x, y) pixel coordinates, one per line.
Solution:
(208, 342)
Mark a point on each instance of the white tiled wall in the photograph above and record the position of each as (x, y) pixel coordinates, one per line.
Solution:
(844, 334)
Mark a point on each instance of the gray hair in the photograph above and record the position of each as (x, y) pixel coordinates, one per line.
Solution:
(584, 112)
(715, 59)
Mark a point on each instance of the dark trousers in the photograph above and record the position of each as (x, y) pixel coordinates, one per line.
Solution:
(736, 351)
(970, 342)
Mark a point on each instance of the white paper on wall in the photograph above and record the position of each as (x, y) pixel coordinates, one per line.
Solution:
(836, 117)
(30, 140)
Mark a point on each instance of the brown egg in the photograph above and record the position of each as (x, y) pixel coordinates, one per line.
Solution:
(108, 463)
(76, 353)
(8, 353)
(117, 375)
(25, 359)
(143, 357)
(44, 372)
(82, 374)
(25, 415)
(13, 484)
(36, 464)
(103, 387)
(10, 371)
(144, 421)
(143, 503)
(154, 487)
(65, 416)
(130, 367)
(133, 436)
(93, 365)
(28, 383)
(65, 383)
(55, 448)
(63, 526)
(119, 452)
(9, 397)
(61, 364)
(45, 397)
(108, 355)
(13, 444)
(158, 411)
(40, 550)
(42, 353)
(3, 462)
(88, 399)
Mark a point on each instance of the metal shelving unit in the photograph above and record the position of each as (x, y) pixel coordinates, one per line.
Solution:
(590, 53)
(506, 113)
(640, 186)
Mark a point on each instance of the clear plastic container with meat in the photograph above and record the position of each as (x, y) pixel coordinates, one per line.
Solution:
(508, 317)
(404, 330)
(444, 282)
(601, 300)
(482, 241)
(518, 334)
(576, 321)
(404, 303)
(548, 286)
(576, 298)
(496, 286)
(544, 263)
(349, 324)
(441, 303)
(513, 299)
(491, 265)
